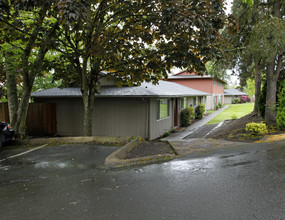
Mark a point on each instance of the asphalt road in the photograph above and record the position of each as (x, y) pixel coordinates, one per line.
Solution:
(69, 182)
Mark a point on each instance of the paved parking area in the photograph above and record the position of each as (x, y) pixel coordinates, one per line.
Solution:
(43, 180)
(69, 182)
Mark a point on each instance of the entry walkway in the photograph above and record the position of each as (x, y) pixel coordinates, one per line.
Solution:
(177, 136)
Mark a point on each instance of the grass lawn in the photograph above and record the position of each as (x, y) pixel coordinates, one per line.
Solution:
(233, 111)
(210, 111)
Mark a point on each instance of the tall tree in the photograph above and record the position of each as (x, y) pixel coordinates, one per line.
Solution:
(260, 45)
(135, 41)
(26, 32)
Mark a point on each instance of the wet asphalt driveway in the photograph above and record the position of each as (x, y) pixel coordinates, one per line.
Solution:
(69, 182)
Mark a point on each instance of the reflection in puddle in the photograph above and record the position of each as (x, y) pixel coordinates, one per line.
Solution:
(54, 164)
(194, 165)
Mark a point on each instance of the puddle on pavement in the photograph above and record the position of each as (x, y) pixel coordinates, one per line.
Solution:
(194, 165)
(243, 163)
(53, 164)
(233, 155)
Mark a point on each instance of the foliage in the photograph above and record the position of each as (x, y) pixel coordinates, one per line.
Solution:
(218, 69)
(236, 101)
(219, 105)
(262, 100)
(26, 32)
(258, 46)
(126, 41)
(199, 111)
(134, 41)
(46, 81)
(280, 116)
(244, 99)
(234, 117)
(192, 112)
(185, 117)
(250, 87)
(256, 128)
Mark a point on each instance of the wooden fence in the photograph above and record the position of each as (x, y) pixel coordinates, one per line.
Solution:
(41, 118)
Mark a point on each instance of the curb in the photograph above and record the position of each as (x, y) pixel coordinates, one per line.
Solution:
(77, 140)
(272, 138)
(116, 159)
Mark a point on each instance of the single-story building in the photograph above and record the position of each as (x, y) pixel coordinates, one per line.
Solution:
(209, 84)
(231, 94)
(147, 110)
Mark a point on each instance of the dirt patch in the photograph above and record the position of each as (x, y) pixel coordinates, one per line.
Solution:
(234, 130)
(150, 148)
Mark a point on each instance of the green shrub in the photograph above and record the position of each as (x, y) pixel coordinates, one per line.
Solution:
(220, 105)
(199, 111)
(192, 112)
(234, 117)
(185, 117)
(256, 128)
(216, 107)
(236, 101)
(280, 114)
(262, 100)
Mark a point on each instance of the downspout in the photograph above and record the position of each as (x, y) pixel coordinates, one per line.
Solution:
(147, 121)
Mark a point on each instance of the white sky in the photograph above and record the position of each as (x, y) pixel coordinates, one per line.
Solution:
(228, 6)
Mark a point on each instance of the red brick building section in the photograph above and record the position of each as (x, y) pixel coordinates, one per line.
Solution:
(206, 83)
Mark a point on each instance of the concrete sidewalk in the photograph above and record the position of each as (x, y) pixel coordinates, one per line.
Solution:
(177, 136)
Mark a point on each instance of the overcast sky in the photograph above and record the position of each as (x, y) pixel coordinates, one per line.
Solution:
(228, 6)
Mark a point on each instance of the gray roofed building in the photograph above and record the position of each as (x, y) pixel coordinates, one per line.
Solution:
(146, 111)
(231, 94)
(234, 92)
(194, 77)
(163, 89)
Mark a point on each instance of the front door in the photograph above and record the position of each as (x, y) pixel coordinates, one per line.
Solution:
(175, 112)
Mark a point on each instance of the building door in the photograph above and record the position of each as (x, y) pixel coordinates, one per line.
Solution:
(175, 112)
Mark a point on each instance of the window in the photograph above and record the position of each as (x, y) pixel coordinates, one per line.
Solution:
(162, 108)
(194, 101)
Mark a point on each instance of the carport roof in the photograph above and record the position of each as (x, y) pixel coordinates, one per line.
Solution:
(163, 89)
(234, 92)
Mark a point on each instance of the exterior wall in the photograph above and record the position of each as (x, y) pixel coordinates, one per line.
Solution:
(228, 100)
(205, 85)
(214, 87)
(159, 127)
(120, 117)
(69, 114)
(218, 87)
(112, 117)
(117, 116)
(209, 103)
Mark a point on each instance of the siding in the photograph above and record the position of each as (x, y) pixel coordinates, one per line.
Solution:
(205, 85)
(159, 127)
(120, 117)
(228, 99)
(113, 117)
(69, 114)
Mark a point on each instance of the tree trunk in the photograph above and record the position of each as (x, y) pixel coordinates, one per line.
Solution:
(23, 111)
(257, 87)
(88, 102)
(273, 70)
(12, 93)
(270, 108)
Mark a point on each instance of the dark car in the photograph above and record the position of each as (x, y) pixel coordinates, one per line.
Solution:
(6, 133)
